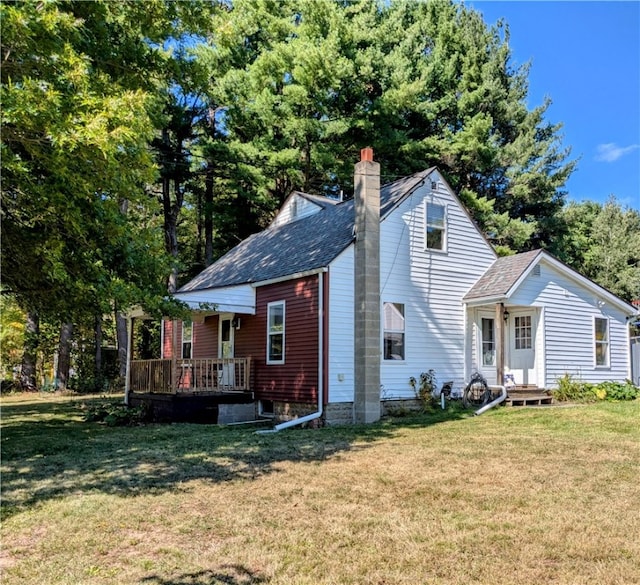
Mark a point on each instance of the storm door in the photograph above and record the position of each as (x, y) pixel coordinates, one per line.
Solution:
(226, 350)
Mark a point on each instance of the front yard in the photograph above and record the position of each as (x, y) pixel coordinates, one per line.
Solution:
(549, 495)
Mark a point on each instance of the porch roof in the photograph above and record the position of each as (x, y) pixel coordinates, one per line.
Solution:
(502, 275)
(228, 299)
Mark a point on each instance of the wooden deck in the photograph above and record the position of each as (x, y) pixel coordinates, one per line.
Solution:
(189, 390)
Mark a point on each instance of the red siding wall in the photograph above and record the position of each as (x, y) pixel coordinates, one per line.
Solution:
(205, 339)
(294, 381)
(297, 379)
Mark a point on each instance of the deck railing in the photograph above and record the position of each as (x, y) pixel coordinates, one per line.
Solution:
(166, 376)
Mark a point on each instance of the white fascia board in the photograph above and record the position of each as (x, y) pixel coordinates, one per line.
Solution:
(226, 299)
(480, 301)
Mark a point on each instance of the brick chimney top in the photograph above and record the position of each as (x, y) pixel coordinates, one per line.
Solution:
(366, 154)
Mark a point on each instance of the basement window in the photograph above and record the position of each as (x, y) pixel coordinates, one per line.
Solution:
(265, 408)
(393, 326)
(275, 332)
(435, 227)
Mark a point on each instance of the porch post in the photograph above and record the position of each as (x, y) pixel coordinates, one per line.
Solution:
(500, 337)
(127, 377)
(174, 360)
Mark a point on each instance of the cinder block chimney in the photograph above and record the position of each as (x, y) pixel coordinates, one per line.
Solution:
(367, 289)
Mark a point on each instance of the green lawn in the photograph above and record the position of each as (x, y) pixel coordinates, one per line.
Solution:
(516, 496)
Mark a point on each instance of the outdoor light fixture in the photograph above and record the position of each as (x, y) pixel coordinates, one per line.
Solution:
(505, 315)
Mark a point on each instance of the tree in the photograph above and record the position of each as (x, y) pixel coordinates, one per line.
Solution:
(75, 130)
(613, 257)
(603, 243)
(308, 83)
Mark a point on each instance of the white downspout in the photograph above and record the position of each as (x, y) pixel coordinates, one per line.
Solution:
(501, 398)
(314, 415)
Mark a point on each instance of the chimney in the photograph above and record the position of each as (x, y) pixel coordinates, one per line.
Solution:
(367, 289)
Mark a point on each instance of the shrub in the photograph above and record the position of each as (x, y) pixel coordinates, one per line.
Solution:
(116, 414)
(424, 389)
(570, 389)
(618, 390)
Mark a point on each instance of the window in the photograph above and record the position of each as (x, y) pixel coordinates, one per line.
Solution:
(601, 336)
(275, 333)
(488, 343)
(435, 227)
(393, 331)
(523, 332)
(265, 408)
(187, 339)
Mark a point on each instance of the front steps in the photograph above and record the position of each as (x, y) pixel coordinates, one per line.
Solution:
(528, 396)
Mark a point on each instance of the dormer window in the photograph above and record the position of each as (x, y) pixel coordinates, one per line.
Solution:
(435, 227)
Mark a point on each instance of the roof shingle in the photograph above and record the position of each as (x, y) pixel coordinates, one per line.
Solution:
(307, 244)
(501, 276)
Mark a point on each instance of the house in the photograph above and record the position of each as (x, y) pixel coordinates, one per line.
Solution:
(331, 310)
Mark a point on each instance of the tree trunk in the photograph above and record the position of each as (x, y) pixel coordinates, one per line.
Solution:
(208, 194)
(145, 341)
(208, 215)
(98, 360)
(30, 355)
(64, 356)
(122, 340)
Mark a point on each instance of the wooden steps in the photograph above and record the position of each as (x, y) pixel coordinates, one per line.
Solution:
(528, 396)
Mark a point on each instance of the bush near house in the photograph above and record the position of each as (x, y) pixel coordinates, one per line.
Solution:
(571, 389)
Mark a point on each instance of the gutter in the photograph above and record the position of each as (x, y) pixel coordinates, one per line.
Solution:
(314, 415)
(293, 276)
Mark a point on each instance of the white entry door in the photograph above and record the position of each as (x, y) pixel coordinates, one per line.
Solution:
(521, 358)
(226, 350)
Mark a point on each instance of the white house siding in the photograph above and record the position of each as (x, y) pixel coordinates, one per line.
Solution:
(431, 285)
(340, 374)
(569, 312)
(296, 207)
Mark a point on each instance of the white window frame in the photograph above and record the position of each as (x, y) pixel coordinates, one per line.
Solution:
(270, 333)
(427, 225)
(189, 341)
(393, 331)
(606, 343)
(523, 332)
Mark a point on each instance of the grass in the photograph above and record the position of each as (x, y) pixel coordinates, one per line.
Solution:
(530, 496)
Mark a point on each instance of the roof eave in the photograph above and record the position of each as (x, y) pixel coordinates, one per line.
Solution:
(488, 300)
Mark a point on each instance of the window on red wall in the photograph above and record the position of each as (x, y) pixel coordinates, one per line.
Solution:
(275, 332)
(187, 339)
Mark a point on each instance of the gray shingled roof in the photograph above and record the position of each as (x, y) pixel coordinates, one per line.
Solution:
(501, 276)
(306, 244)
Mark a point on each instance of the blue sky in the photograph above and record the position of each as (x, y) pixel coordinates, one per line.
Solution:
(585, 56)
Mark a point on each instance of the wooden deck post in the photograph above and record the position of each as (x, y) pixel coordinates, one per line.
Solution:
(127, 376)
(174, 358)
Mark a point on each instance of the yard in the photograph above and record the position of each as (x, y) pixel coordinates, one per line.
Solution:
(527, 496)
